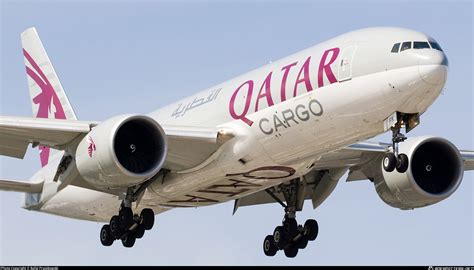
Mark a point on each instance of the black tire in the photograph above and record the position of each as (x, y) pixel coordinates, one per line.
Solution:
(311, 229)
(279, 237)
(303, 242)
(129, 240)
(291, 227)
(106, 237)
(291, 251)
(126, 218)
(269, 247)
(139, 231)
(402, 163)
(148, 218)
(115, 227)
(389, 162)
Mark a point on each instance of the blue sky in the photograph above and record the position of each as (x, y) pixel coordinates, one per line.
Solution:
(135, 56)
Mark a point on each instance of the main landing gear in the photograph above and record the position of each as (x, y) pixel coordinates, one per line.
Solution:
(127, 226)
(394, 160)
(290, 237)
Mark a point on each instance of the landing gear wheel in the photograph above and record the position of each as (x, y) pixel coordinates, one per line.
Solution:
(126, 217)
(291, 227)
(389, 162)
(139, 231)
(291, 251)
(303, 242)
(269, 247)
(115, 226)
(148, 217)
(290, 237)
(279, 237)
(129, 240)
(311, 228)
(106, 237)
(402, 163)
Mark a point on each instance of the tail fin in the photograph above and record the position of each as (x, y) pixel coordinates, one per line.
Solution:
(45, 88)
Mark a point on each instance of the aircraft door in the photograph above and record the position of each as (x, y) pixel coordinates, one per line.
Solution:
(345, 65)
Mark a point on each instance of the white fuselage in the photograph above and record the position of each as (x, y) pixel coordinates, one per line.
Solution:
(286, 115)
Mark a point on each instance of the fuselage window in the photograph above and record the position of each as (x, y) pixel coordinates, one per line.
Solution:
(435, 45)
(395, 47)
(406, 46)
(420, 45)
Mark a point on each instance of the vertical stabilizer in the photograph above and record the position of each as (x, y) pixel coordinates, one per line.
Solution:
(48, 99)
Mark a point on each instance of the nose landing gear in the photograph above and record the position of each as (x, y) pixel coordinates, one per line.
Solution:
(394, 160)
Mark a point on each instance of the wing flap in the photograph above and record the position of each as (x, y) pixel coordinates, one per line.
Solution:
(355, 175)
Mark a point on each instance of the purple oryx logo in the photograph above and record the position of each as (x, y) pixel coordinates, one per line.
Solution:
(91, 148)
(44, 100)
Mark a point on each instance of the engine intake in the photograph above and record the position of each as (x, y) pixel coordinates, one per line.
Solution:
(436, 167)
(435, 171)
(122, 151)
(135, 145)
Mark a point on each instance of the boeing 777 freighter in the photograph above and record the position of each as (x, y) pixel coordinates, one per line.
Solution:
(283, 133)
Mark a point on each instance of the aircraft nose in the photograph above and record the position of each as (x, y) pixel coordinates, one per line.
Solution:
(433, 66)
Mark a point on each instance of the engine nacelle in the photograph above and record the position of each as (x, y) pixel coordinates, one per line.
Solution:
(435, 171)
(122, 151)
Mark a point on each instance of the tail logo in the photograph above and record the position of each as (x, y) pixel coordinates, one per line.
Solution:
(91, 149)
(44, 100)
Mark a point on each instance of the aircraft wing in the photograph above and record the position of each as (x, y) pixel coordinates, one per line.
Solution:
(358, 159)
(376, 150)
(202, 140)
(16, 133)
(468, 157)
(19, 186)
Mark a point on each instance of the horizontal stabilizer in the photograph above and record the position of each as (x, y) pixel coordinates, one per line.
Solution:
(19, 186)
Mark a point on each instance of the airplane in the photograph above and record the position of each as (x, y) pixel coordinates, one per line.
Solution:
(283, 133)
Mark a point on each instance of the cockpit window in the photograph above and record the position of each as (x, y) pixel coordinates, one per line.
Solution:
(415, 45)
(420, 45)
(406, 46)
(435, 45)
(395, 47)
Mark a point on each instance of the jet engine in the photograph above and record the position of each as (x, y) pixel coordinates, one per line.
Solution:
(122, 151)
(435, 171)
